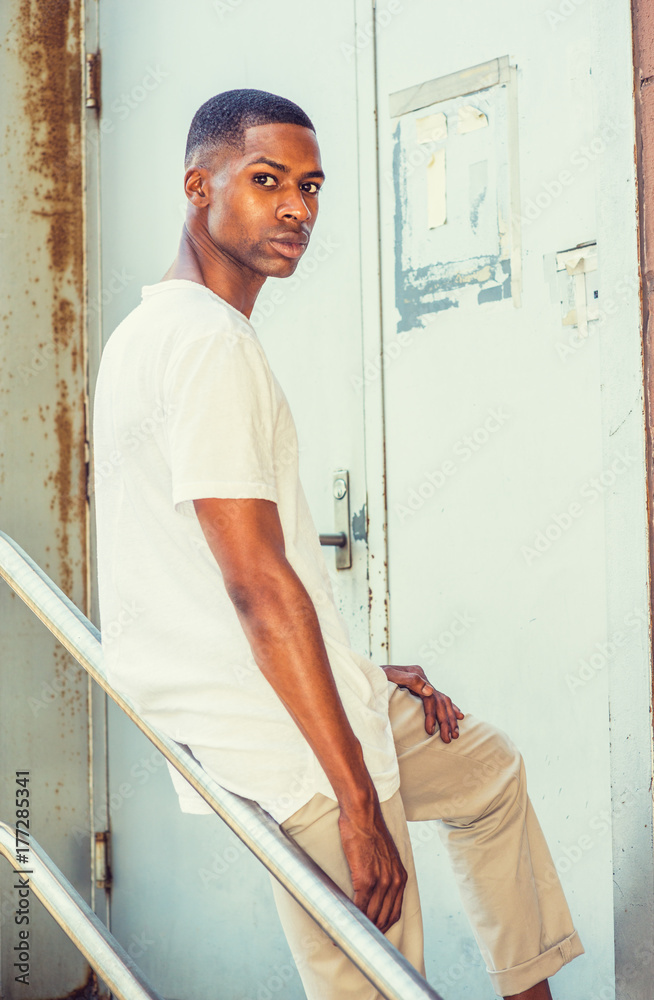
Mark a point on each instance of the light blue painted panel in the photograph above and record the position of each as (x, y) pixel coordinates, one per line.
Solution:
(467, 258)
(505, 481)
(191, 905)
(204, 931)
(496, 423)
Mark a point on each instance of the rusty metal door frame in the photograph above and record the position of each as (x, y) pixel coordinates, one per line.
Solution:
(643, 52)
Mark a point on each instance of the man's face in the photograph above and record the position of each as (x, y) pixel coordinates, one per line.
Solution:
(264, 199)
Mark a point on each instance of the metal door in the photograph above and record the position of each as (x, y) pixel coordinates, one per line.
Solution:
(516, 513)
(515, 489)
(187, 902)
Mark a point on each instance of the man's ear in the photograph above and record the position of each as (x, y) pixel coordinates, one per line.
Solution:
(196, 186)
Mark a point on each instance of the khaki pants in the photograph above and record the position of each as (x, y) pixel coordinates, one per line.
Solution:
(509, 887)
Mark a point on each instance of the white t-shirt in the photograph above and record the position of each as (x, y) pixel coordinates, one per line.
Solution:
(187, 407)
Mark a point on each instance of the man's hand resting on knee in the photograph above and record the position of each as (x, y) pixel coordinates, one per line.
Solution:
(439, 709)
(281, 625)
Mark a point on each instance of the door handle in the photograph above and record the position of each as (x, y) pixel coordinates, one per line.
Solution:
(340, 538)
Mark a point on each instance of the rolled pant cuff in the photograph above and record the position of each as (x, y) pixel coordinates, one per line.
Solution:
(507, 982)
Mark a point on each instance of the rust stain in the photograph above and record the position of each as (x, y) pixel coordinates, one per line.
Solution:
(69, 501)
(64, 318)
(87, 991)
(50, 46)
(642, 35)
(48, 41)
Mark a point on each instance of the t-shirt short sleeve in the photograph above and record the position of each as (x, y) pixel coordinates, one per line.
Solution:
(220, 420)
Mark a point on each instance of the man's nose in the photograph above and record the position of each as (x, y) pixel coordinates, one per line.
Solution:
(294, 207)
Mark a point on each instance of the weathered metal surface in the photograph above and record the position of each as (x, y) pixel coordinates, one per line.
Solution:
(152, 82)
(514, 446)
(43, 710)
(332, 910)
(643, 42)
(45, 881)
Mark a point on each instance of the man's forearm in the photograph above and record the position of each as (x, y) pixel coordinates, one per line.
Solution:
(282, 627)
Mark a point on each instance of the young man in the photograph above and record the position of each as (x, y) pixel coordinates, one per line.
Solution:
(237, 649)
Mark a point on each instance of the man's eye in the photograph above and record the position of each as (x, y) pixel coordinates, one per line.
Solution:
(311, 184)
(263, 179)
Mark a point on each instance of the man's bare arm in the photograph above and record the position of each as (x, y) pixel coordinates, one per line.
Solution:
(281, 625)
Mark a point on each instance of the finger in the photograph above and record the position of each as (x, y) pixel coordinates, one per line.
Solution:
(445, 730)
(363, 883)
(429, 705)
(417, 683)
(447, 719)
(459, 713)
(451, 718)
(362, 899)
(375, 904)
(396, 910)
(387, 905)
(369, 892)
(444, 722)
(392, 903)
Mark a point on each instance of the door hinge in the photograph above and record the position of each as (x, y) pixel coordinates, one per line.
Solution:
(93, 80)
(102, 871)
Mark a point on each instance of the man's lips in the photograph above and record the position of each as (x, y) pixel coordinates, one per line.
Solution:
(289, 247)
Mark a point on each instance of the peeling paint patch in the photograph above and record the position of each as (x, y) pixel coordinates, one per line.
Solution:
(360, 525)
(502, 291)
(478, 188)
(463, 261)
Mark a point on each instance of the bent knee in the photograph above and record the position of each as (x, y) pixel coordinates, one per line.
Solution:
(494, 747)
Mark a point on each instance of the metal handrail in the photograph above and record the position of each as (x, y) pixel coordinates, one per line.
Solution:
(386, 968)
(83, 927)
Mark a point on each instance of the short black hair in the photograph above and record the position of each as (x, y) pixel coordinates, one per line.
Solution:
(223, 119)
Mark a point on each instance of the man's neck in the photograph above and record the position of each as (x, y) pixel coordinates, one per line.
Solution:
(199, 260)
